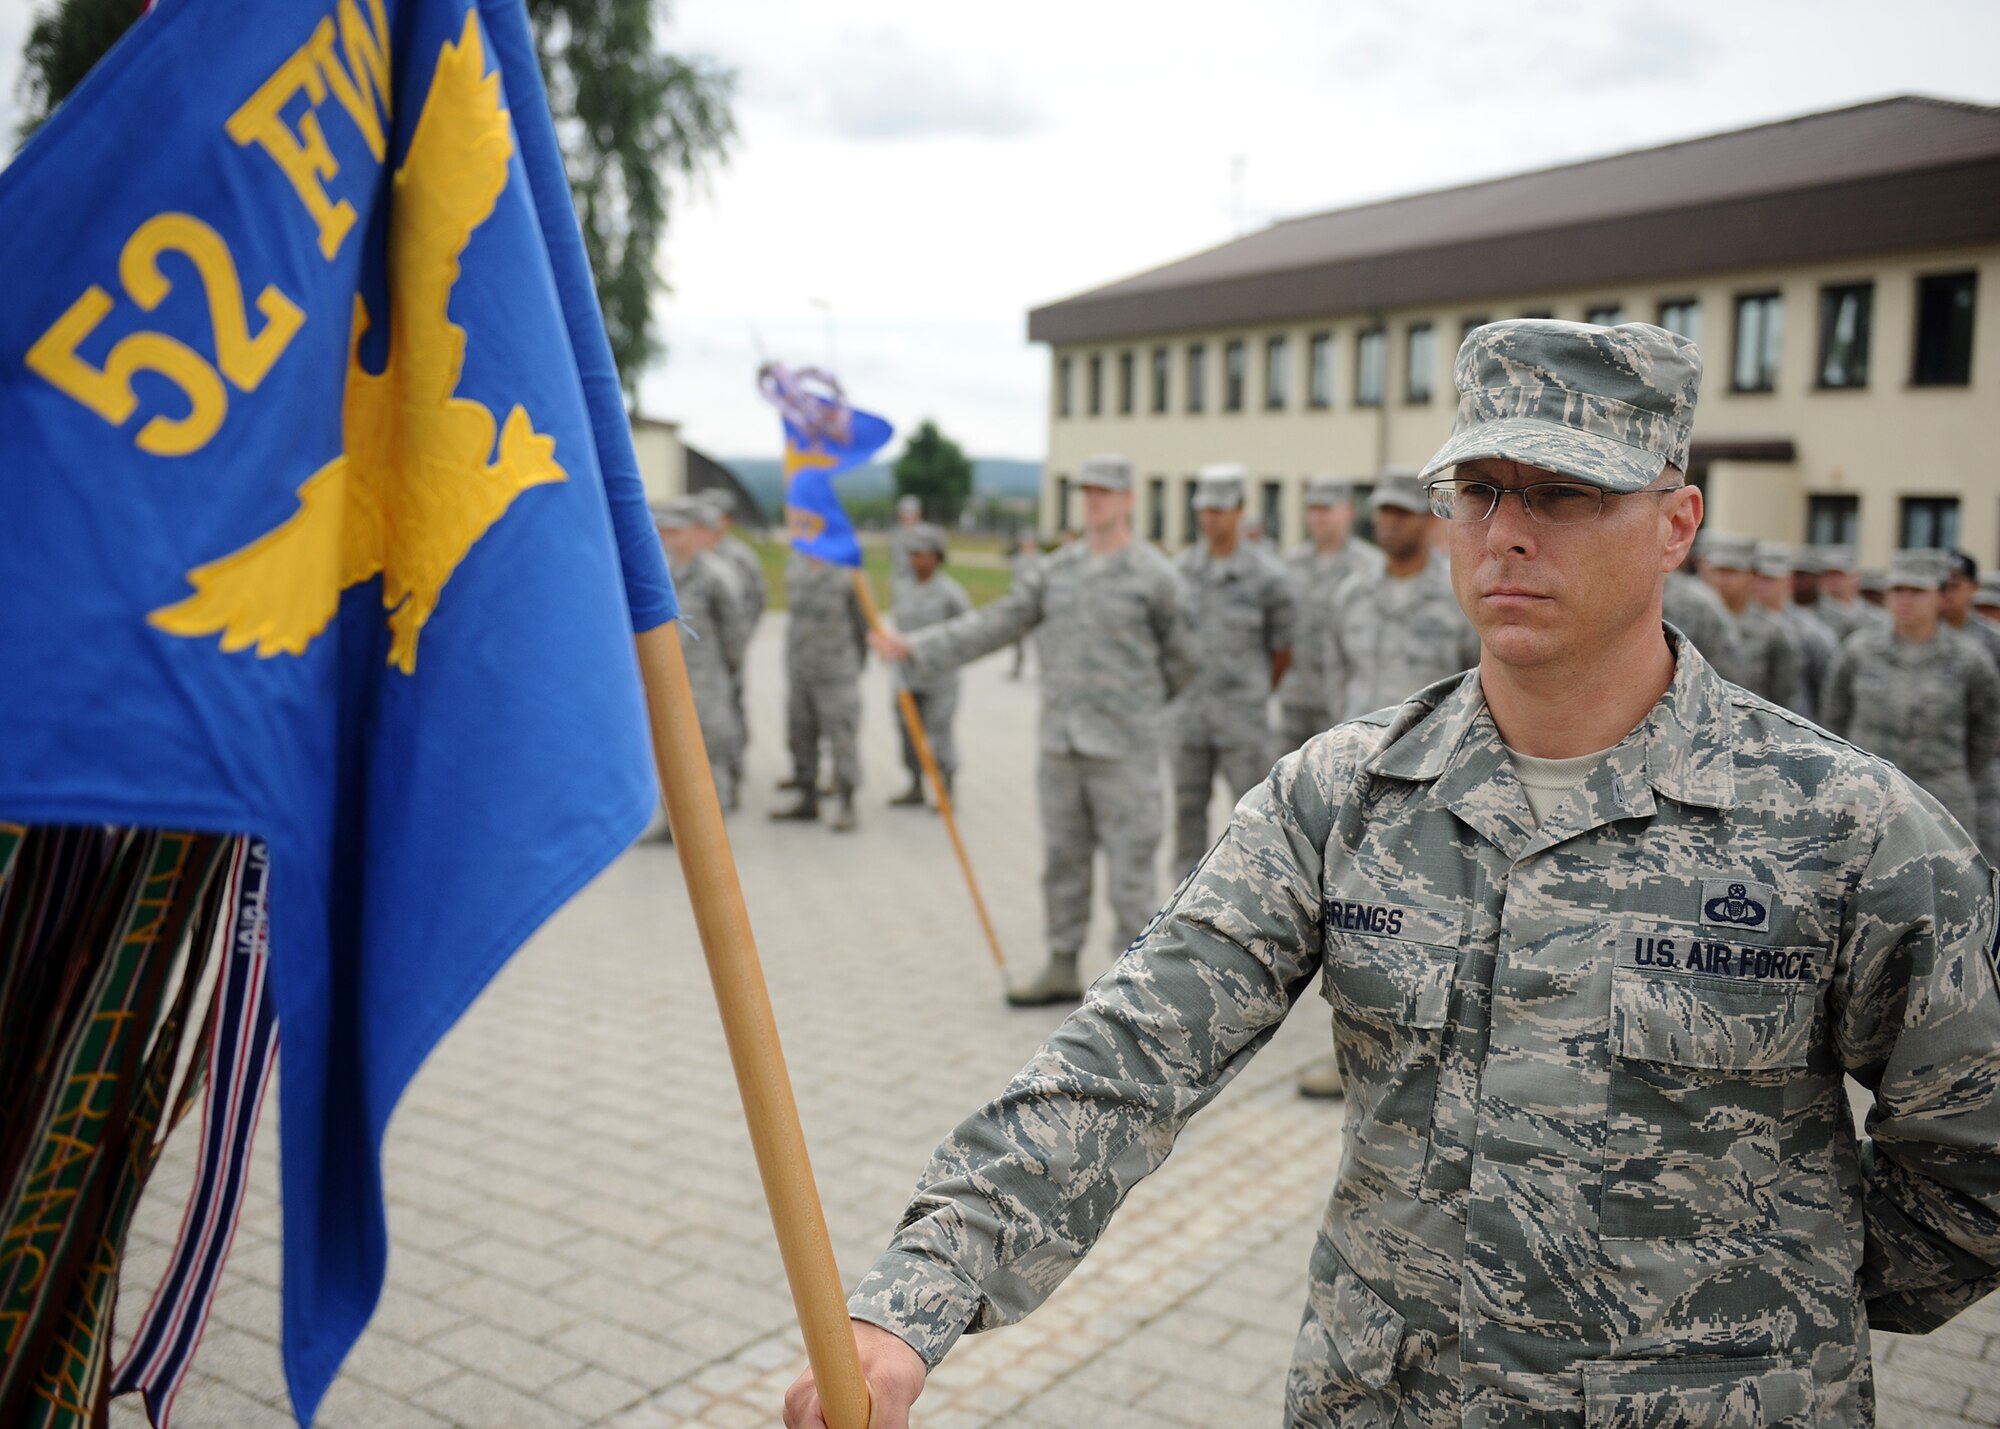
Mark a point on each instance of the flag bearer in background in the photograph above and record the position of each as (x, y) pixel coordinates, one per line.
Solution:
(713, 614)
(928, 597)
(826, 643)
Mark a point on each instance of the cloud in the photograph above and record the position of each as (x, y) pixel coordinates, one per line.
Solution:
(876, 85)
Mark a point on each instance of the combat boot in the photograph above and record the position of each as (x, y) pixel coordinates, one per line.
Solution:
(786, 786)
(806, 810)
(1322, 1079)
(843, 818)
(910, 798)
(1056, 983)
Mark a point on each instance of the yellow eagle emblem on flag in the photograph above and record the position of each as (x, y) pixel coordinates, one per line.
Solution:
(415, 486)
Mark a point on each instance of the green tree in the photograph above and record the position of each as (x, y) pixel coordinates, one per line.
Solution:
(632, 120)
(935, 471)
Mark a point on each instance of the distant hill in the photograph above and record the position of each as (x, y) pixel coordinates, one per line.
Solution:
(763, 478)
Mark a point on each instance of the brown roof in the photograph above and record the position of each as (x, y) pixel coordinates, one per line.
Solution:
(1894, 174)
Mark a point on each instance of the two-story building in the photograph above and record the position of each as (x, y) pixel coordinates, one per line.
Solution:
(1839, 271)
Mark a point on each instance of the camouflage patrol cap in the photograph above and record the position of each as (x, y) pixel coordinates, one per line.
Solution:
(1873, 581)
(927, 537)
(1774, 559)
(1328, 491)
(1729, 553)
(1836, 558)
(1219, 486)
(680, 512)
(1918, 569)
(1108, 473)
(1399, 488)
(1611, 406)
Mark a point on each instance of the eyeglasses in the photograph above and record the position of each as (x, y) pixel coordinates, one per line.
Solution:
(1552, 503)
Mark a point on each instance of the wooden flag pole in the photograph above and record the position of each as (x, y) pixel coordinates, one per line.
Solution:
(695, 815)
(914, 723)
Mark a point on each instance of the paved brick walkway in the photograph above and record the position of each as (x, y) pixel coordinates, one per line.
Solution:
(579, 1234)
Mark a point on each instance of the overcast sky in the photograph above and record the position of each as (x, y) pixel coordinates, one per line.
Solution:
(917, 176)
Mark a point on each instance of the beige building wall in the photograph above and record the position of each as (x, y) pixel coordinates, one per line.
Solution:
(662, 463)
(1881, 443)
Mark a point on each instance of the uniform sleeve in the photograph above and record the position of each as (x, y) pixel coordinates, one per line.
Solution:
(733, 624)
(857, 619)
(1916, 1019)
(1180, 656)
(951, 643)
(1013, 1199)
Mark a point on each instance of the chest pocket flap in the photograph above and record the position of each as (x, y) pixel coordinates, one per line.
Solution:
(1715, 1024)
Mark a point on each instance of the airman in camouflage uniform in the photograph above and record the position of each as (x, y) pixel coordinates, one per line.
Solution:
(929, 597)
(1955, 608)
(902, 539)
(1778, 569)
(1317, 569)
(713, 617)
(746, 576)
(1694, 609)
(1841, 608)
(1114, 641)
(1600, 1166)
(1243, 612)
(1763, 656)
(1921, 694)
(826, 643)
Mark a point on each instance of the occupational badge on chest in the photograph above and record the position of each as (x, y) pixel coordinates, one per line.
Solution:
(1736, 903)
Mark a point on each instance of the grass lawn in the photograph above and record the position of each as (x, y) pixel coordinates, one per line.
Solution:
(985, 575)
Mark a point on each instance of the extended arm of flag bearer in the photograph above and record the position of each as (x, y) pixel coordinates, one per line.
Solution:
(1915, 1016)
(994, 626)
(1016, 1195)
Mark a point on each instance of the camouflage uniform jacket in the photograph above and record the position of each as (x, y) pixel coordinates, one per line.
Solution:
(1314, 579)
(1113, 636)
(750, 576)
(1763, 657)
(1243, 611)
(827, 635)
(1599, 1162)
(1386, 639)
(920, 604)
(713, 612)
(1932, 709)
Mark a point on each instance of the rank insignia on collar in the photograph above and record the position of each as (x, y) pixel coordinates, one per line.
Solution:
(1736, 903)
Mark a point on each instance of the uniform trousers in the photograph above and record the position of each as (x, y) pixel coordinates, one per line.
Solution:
(828, 710)
(1241, 761)
(938, 709)
(1088, 804)
(1299, 723)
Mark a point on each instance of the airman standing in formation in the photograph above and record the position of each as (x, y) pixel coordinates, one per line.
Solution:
(826, 644)
(714, 614)
(929, 597)
(1600, 1163)
(1762, 655)
(753, 594)
(1331, 554)
(1115, 644)
(902, 539)
(1243, 613)
(1693, 608)
(1840, 607)
(1778, 570)
(1919, 694)
(1388, 636)
(1955, 608)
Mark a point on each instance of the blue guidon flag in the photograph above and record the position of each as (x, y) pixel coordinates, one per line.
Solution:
(823, 438)
(314, 487)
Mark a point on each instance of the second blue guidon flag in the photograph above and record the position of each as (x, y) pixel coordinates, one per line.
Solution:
(823, 438)
(314, 484)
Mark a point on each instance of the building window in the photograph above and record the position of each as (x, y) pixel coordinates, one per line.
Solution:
(1319, 370)
(1062, 504)
(1421, 353)
(1605, 314)
(1371, 366)
(1760, 336)
(1156, 506)
(1197, 381)
(1232, 376)
(1833, 520)
(1929, 521)
(1277, 374)
(1190, 523)
(1944, 329)
(1161, 363)
(1125, 384)
(1271, 511)
(1682, 316)
(1094, 385)
(1063, 366)
(1844, 313)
